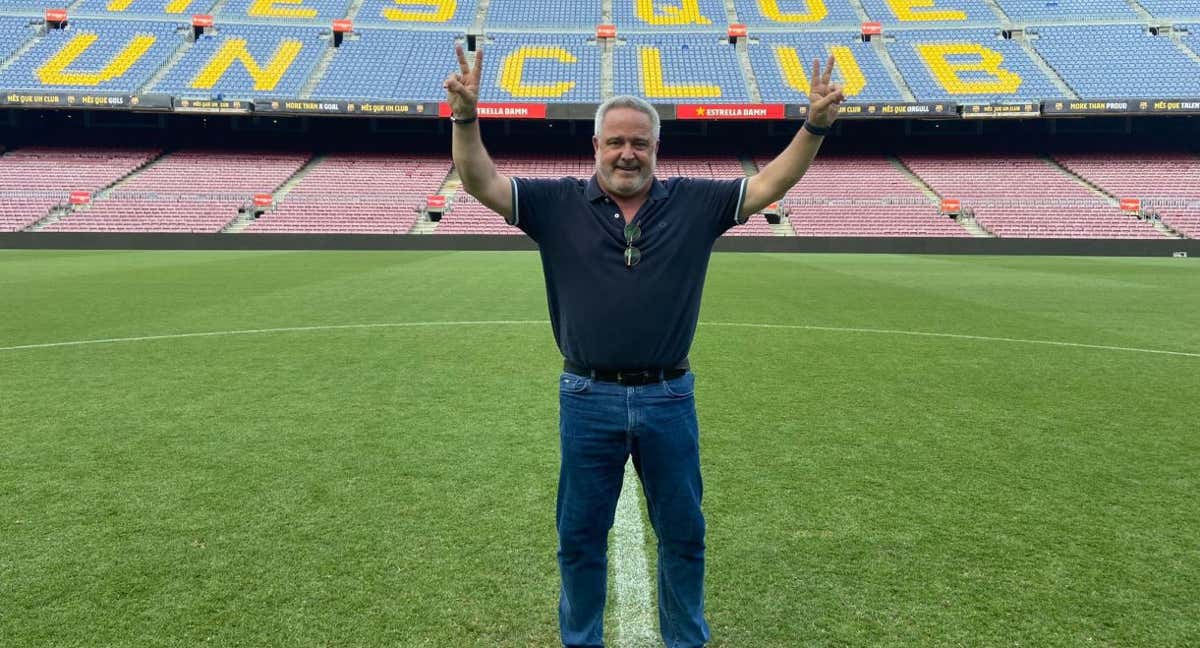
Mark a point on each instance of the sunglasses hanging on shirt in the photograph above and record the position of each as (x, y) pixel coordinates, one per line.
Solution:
(632, 254)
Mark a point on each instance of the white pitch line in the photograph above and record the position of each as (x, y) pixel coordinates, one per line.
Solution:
(956, 336)
(284, 329)
(797, 327)
(634, 613)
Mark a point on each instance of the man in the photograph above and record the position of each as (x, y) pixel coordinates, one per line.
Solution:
(624, 256)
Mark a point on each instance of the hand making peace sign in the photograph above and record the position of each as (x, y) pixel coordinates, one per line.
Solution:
(825, 98)
(462, 88)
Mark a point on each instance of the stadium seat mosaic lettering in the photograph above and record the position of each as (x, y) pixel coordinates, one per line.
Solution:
(793, 69)
(92, 55)
(234, 49)
(924, 10)
(434, 11)
(783, 13)
(688, 13)
(969, 66)
(679, 67)
(782, 63)
(815, 11)
(55, 72)
(911, 12)
(955, 75)
(654, 15)
(512, 72)
(548, 67)
(171, 6)
(246, 61)
(281, 9)
(656, 87)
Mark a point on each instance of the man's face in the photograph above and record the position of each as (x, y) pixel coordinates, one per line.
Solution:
(626, 152)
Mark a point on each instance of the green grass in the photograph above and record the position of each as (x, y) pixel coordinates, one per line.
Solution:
(395, 486)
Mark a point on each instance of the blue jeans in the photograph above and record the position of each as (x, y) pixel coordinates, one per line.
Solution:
(600, 425)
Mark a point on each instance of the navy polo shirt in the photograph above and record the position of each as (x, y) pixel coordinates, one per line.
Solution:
(609, 317)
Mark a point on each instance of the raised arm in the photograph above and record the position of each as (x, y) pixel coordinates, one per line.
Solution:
(774, 180)
(475, 166)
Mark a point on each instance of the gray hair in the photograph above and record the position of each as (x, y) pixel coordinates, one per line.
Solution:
(628, 101)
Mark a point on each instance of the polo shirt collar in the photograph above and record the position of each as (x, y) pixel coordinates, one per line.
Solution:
(658, 190)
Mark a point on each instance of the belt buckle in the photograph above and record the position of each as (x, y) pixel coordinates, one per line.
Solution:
(636, 378)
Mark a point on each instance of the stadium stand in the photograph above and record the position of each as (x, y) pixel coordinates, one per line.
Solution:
(1026, 197)
(862, 196)
(13, 33)
(386, 64)
(669, 17)
(468, 216)
(551, 14)
(246, 61)
(1172, 9)
(20, 209)
(679, 68)
(187, 191)
(721, 167)
(456, 14)
(35, 180)
(974, 65)
(1108, 61)
(541, 67)
(673, 51)
(790, 14)
(94, 55)
(724, 168)
(31, 5)
(961, 12)
(1166, 183)
(140, 8)
(1043, 11)
(357, 193)
(782, 64)
(284, 10)
(1190, 36)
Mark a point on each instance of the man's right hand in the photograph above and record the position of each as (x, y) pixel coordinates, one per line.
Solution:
(462, 88)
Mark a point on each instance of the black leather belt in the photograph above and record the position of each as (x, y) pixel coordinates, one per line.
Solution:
(630, 377)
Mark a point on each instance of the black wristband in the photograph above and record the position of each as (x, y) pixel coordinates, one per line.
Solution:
(467, 120)
(816, 130)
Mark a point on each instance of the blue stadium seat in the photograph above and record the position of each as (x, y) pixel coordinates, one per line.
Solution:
(669, 15)
(284, 11)
(1109, 61)
(1191, 39)
(551, 14)
(389, 65)
(1023, 11)
(794, 14)
(1003, 72)
(418, 14)
(695, 68)
(943, 12)
(13, 33)
(108, 57)
(541, 67)
(132, 9)
(302, 45)
(1173, 9)
(32, 7)
(869, 79)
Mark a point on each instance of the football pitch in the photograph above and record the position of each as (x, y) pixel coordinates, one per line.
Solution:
(360, 449)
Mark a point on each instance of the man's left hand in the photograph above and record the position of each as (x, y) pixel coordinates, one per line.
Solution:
(826, 98)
